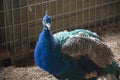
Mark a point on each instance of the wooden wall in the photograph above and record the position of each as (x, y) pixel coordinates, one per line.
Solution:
(23, 19)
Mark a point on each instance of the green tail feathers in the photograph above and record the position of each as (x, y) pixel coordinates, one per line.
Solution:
(113, 69)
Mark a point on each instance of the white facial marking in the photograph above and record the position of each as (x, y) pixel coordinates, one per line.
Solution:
(48, 25)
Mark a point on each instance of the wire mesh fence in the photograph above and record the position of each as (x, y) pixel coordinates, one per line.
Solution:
(20, 21)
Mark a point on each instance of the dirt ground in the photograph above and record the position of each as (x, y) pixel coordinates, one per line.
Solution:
(34, 73)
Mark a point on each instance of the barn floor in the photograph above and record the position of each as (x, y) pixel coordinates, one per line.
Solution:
(112, 38)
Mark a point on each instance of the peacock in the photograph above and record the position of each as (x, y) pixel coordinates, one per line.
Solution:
(74, 55)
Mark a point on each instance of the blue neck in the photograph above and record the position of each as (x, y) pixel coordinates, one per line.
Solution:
(47, 55)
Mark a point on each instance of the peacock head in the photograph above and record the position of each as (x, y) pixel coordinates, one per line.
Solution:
(47, 20)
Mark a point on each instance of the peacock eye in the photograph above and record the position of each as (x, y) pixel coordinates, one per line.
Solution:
(49, 20)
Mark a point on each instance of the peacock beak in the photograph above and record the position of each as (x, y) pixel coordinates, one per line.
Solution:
(48, 25)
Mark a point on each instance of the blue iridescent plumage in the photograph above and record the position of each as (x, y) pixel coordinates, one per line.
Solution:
(49, 57)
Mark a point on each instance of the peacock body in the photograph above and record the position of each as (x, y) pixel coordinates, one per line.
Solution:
(74, 55)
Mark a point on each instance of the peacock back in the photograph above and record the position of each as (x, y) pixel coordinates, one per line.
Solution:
(82, 42)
